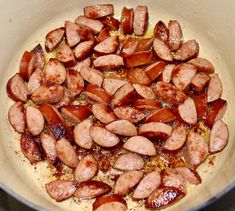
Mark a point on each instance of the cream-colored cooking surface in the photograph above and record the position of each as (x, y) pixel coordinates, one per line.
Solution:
(29, 180)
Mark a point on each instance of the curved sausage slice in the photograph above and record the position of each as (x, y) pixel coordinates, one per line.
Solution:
(154, 70)
(92, 75)
(16, 117)
(175, 35)
(104, 34)
(111, 85)
(147, 185)
(187, 50)
(138, 59)
(72, 37)
(103, 137)
(202, 65)
(54, 38)
(215, 88)
(111, 23)
(177, 139)
(35, 81)
(82, 134)
(161, 31)
(103, 113)
(140, 22)
(94, 25)
(145, 44)
(98, 10)
(86, 62)
(162, 50)
(91, 189)
(61, 189)
(107, 46)
(66, 153)
(155, 129)
(65, 55)
(138, 76)
(86, 34)
(35, 120)
(66, 100)
(197, 149)
(86, 168)
(188, 112)
(40, 57)
(167, 73)
(122, 128)
(129, 46)
(83, 49)
(127, 181)
(201, 105)
(200, 81)
(218, 137)
(189, 176)
(16, 88)
(140, 145)
(164, 115)
(128, 162)
(146, 104)
(127, 20)
(74, 82)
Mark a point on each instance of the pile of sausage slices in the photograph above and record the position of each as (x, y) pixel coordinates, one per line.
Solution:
(112, 99)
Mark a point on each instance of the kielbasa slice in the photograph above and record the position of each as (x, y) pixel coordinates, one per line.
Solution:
(72, 37)
(94, 25)
(167, 73)
(146, 104)
(65, 55)
(161, 31)
(140, 22)
(200, 81)
(138, 76)
(175, 35)
(138, 59)
(162, 50)
(215, 88)
(164, 115)
(107, 46)
(202, 65)
(83, 49)
(189, 176)
(127, 20)
(92, 75)
(111, 85)
(154, 70)
(98, 10)
(103, 113)
(35, 81)
(54, 38)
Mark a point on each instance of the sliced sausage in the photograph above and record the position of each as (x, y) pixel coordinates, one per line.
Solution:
(138, 76)
(127, 20)
(163, 197)
(175, 35)
(104, 34)
(61, 189)
(54, 38)
(129, 46)
(108, 62)
(86, 168)
(147, 185)
(202, 65)
(140, 22)
(168, 93)
(103, 113)
(66, 100)
(55, 72)
(189, 176)
(182, 75)
(48, 94)
(146, 104)
(16, 117)
(35, 121)
(66, 153)
(107, 46)
(82, 134)
(128, 162)
(215, 88)
(91, 189)
(86, 62)
(154, 70)
(40, 57)
(94, 25)
(155, 129)
(162, 50)
(129, 113)
(83, 49)
(103, 137)
(65, 54)
(161, 31)
(111, 23)
(177, 139)
(140, 145)
(112, 85)
(200, 81)
(35, 81)
(187, 50)
(164, 115)
(16, 88)
(145, 44)
(86, 34)
(98, 10)
(127, 181)
(197, 149)
(218, 137)
(167, 73)
(92, 75)
(72, 37)
(138, 59)
(201, 105)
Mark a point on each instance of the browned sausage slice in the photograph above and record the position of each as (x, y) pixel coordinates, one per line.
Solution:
(138, 59)
(164, 115)
(188, 112)
(162, 50)
(66, 100)
(202, 65)
(65, 54)
(122, 127)
(127, 181)
(55, 72)
(104, 34)
(197, 149)
(145, 44)
(140, 145)
(200, 81)
(91, 189)
(189, 176)
(146, 104)
(66, 153)
(35, 120)
(140, 22)
(177, 139)
(167, 73)
(154, 70)
(86, 168)
(72, 37)
(218, 137)
(127, 20)
(187, 50)
(16, 117)
(103, 137)
(35, 81)
(161, 31)
(61, 189)
(201, 105)
(128, 162)
(103, 113)
(16, 88)
(107, 46)
(175, 35)
(94, 25)
(86, 62)
(98, 10)
(138, 76)
(129, 46)
(112, 85)
(129, 113)
(111, 23)
(92, 75)
(214, 88)
(74, 82)
(40, 57)
(147, 185)
(86, 34)
(54, 38)
(155, 129)
(108, 62)
(83, 49)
